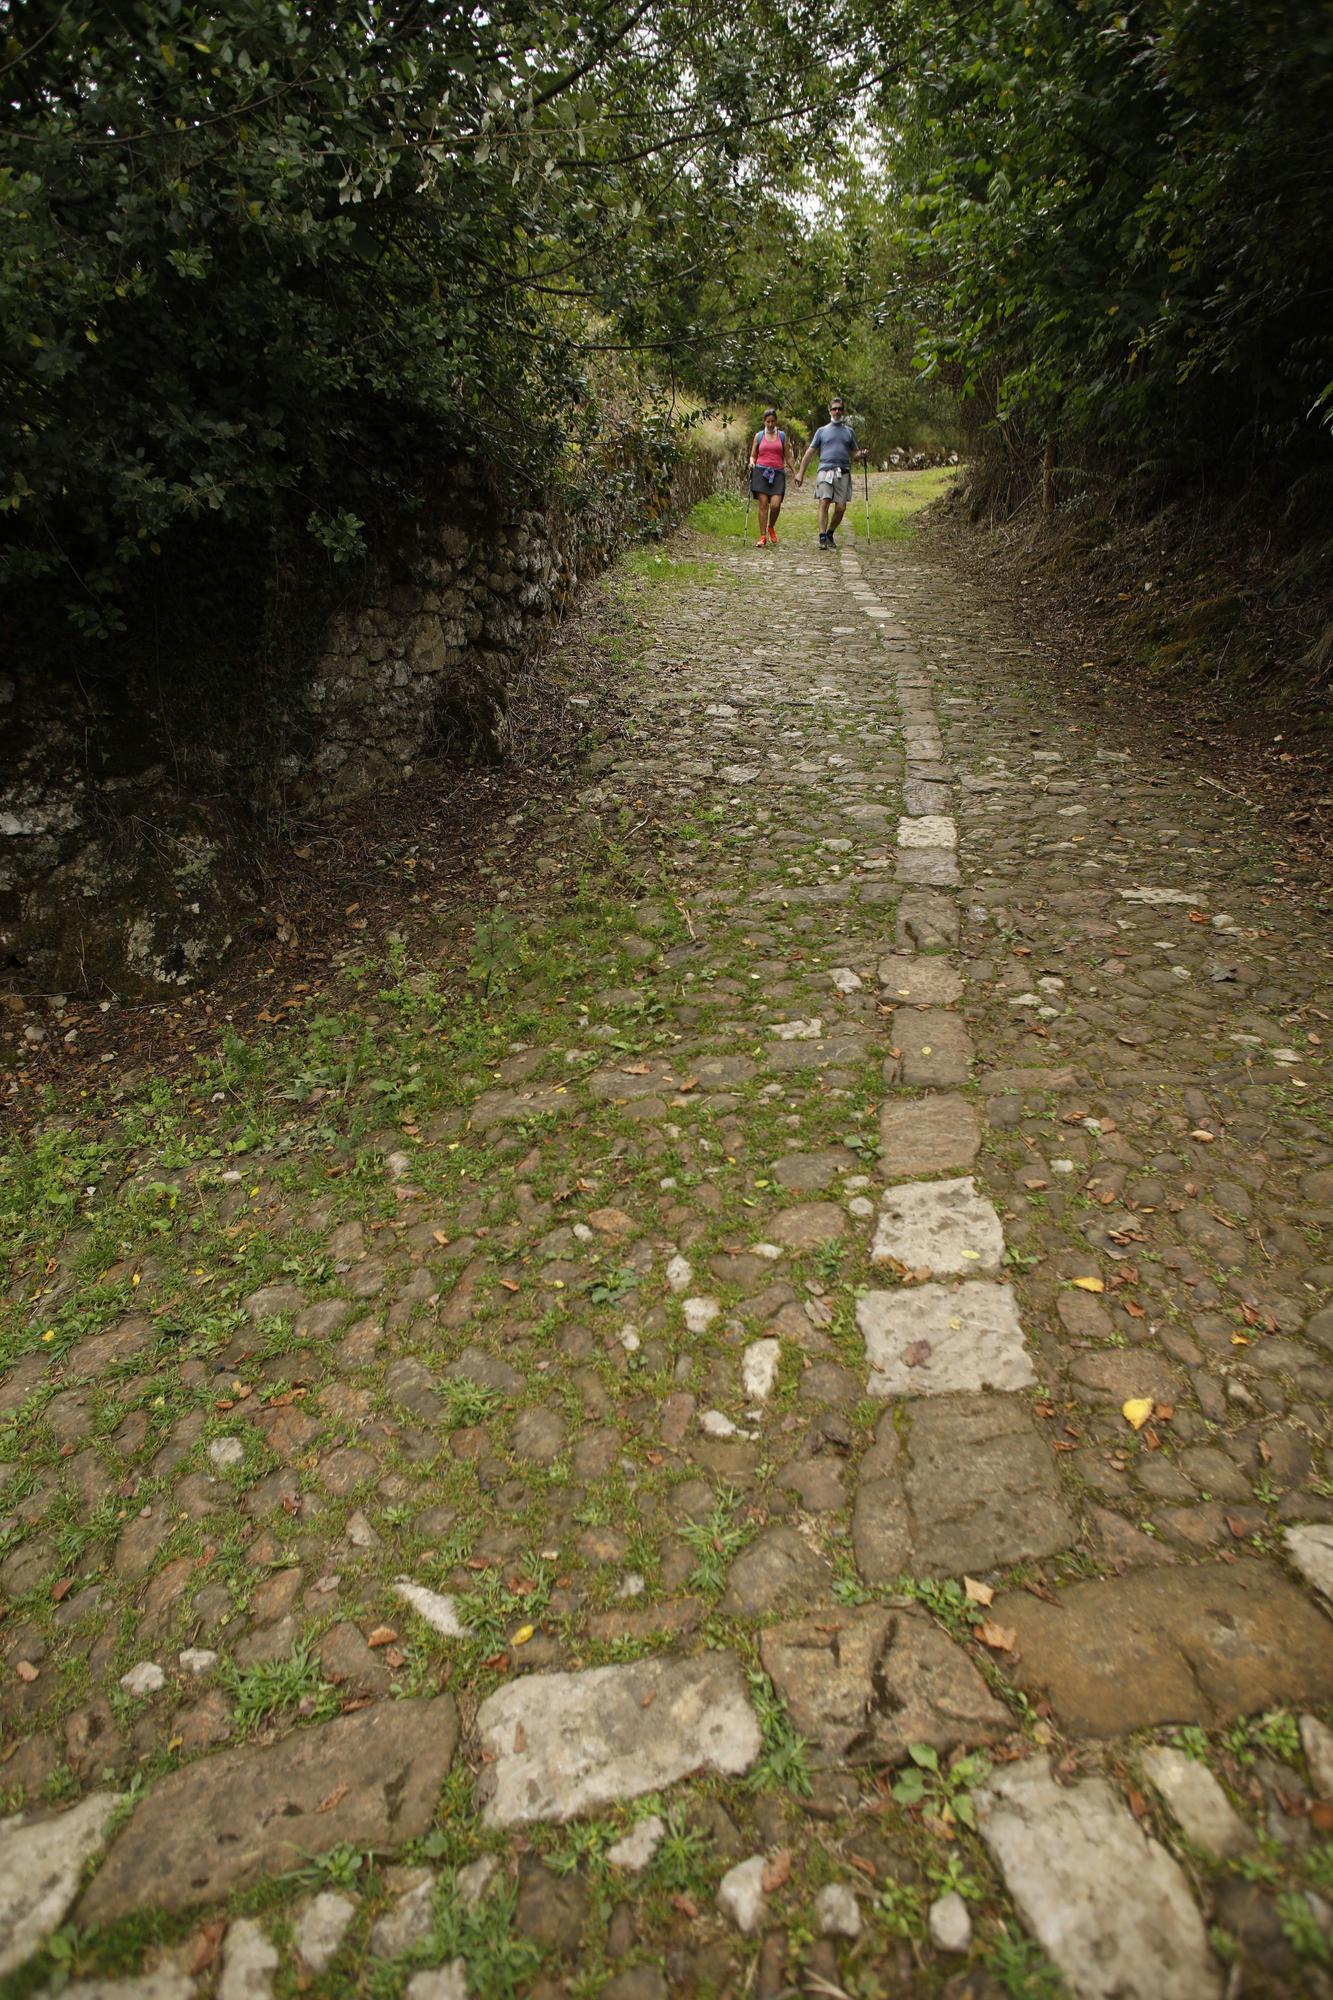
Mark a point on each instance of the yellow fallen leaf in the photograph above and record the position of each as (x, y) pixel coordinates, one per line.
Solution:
(523, 1634)
(1137, 1411)
(1088, 1284)
(1206, 1138)
(977, 1593)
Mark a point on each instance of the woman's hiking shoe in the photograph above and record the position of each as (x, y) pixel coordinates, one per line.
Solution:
(773, 536)
(762, 543)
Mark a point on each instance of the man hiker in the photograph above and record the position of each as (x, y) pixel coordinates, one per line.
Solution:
(836, 444)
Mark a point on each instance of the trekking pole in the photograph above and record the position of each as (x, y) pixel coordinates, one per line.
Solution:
(745, 532)
(865, 468)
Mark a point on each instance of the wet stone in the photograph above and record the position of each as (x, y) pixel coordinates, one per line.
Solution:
(568, 1743)
(1202, 1645)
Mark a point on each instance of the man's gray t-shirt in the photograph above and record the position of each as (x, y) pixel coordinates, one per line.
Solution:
(835, 444)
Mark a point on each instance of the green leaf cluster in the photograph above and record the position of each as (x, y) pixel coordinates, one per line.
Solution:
(1123, 215)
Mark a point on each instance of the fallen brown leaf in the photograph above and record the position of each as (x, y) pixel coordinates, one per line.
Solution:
(335, 1798)
(205, 1948)
(1000, 1638)
(383, 1635)
(917, 1354)
(25, 1670)
(977, 1593)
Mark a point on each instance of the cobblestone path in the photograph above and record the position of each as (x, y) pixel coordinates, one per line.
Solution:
(795, 1462)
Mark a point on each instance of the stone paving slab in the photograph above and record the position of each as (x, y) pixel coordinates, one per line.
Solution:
(924, 1135)
(1199, 1645)
(562, 1744)
(935, 1339)
(916, 1515)
(936, 867)
(1108, 1903)
(42, 1856)
(220, 1823)
(920, 982)
(861, 1685)
(944, 1227)
(933, 1048)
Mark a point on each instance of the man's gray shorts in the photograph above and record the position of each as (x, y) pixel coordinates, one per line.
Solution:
(833, 484)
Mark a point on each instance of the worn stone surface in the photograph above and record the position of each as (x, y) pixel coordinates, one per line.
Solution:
(920, 982)
(41, 1860)
(863, 1684)
(633, 1853)
(321, 1927)
(406, 1923)
(935, 1339)
(950, 1924)
(932, 1048)
(567, 1743)
(779, 1568)
(740, 1895)
(1196, 1801)
(836, 1911)
(249, 1962)
(927, 1135)
(439, 1982)
(916, 1514)
(216, 1825)
(944, 1227)
(1182, 1645)
(1106, 1902)
(1311, 1549)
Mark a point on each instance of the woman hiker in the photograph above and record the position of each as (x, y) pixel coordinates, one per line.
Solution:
(770, 462)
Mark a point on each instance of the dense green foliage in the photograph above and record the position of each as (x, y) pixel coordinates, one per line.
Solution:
(272, 262)
(1125, 215)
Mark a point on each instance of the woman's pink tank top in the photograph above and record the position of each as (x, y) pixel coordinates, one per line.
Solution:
(770, 449)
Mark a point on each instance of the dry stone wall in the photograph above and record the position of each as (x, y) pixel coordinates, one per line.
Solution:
(131, 859)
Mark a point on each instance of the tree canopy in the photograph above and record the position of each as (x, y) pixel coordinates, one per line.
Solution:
(274, 261)
(272, 264)
(1123, 214)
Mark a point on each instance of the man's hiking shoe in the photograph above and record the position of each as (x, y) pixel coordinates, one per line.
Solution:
(829, 542)
(825, 542)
